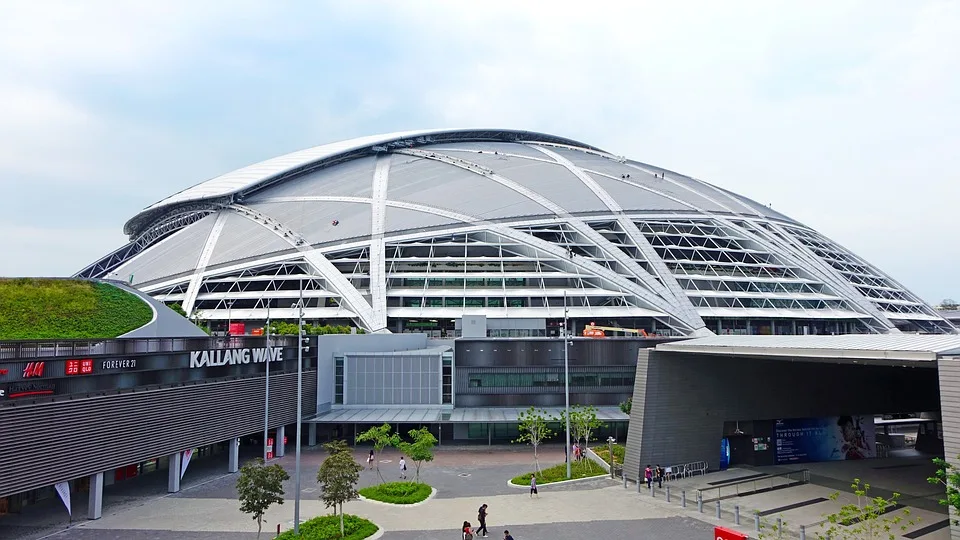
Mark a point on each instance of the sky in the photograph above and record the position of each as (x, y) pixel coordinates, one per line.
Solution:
(841, 114)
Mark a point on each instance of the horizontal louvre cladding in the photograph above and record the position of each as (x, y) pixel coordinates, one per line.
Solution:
(537, 380)
(52, 442)
(491, 352)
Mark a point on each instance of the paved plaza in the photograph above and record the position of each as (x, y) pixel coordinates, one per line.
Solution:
(465, 477)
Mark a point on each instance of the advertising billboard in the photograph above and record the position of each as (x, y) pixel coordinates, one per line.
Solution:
(832, 438)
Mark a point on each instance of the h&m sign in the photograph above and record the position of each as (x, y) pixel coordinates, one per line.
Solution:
(231, 357)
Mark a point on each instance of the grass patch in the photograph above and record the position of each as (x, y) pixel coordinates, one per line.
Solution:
(398, 492)
(32, 308)
(619, 451)
(328, 528)
(558, 473)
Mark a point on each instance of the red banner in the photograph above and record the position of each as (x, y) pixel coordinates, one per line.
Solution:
(238, 329)
(721, 533)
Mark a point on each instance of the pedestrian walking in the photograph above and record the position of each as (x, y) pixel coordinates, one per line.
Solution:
(648, 475)
(466, 531)
(482, 518)
(533, 486)
(507, 535)
(370, 460)
(659, 476)
(403, 468)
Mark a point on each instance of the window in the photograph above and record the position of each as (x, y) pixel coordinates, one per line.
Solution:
(551, 379)
(447, 379)
(338, 381)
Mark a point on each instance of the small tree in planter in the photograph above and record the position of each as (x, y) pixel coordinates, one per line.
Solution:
(867, 519)
(338, 477)
(381, 437)
(420, 449)
(534, 429)
(260, 486)
(583, 422)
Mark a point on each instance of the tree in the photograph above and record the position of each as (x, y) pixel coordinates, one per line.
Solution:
(420, 449)
(626, 406)
(260, 486)
(381, 437)
(534, 429)
(949, 303)
(949, 477)
(583, 422)
(338, 477)
(865, 519)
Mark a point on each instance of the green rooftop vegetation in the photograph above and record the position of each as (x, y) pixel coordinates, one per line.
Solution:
(34, 308)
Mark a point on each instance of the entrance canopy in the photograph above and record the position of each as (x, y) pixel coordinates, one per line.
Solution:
(919, 350)
(483, 415)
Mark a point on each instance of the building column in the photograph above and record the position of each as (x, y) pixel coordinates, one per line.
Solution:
(312, 434)
(233, 455)
(95, 504)
(173, 473)
(281, 432)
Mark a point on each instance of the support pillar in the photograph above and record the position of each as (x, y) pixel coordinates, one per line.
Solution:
(173, 473)
(281, 433)
(311, 434)
(95, 504)
(233, 455)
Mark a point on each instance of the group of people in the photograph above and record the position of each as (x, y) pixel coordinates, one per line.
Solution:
(468, 530)
(654, 475)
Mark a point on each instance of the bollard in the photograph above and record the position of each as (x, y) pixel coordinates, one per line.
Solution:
(736, 514)
(700, 502)
(803, 532)
(624, 481)
(718, 509)
(652, 492)
(683, 498)
(779, 527)
(756, 520)
(639, 484)
(668, 492)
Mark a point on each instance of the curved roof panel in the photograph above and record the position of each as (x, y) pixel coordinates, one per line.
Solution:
(259, 173)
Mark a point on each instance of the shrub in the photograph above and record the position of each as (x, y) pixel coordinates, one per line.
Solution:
(32, 308)
(398, 492)
(558, 473)
(328, 528)
(619, 451)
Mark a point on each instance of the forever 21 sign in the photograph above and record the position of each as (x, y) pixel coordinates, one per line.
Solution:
(232, 357)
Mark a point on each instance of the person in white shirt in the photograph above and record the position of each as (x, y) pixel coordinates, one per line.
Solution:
(403, 468)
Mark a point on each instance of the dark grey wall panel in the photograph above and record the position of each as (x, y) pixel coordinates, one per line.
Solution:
(46, 443)
(681, 401)
(949, 371)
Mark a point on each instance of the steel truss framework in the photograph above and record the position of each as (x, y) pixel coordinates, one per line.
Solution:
(728, 261)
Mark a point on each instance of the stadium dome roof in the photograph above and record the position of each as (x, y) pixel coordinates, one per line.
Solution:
(373, 223)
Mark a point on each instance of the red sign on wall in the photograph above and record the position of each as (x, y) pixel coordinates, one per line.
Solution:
(238, 329)
(33, 369)
(79, 367)
(721, 533)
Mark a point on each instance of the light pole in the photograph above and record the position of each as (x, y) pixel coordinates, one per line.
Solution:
(566, 380)
(296, 503)
(266, 401)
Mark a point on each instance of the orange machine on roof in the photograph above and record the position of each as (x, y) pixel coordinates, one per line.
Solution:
(592, 330)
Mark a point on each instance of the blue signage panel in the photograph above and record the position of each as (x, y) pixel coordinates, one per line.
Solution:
(832, 438)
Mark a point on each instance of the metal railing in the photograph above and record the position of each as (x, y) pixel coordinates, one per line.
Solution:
(737, 488)
(17, 350)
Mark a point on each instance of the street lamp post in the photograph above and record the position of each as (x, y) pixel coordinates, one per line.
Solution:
(296, 503)
(566, 380)
(266, 401)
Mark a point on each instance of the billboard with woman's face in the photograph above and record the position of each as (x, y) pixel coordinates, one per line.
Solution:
(832, 438)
